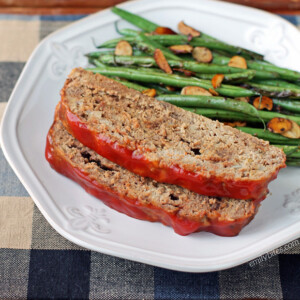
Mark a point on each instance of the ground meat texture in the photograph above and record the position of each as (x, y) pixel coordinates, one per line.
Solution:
(170, 204)
(164, 136)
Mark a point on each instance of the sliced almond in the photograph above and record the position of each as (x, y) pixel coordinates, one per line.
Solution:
(238, 62)
(187, 73)
(163, 30)
(161, 61)
(217, 80)
(195, 90)
(263, 103)
(171, 88)
(149, 92)
(243, 99)
(213, 92)
(236, 124)
(123, 48)
(181, 49)
(294, 132)
(188, 30)
(279, 125)
(202, 54)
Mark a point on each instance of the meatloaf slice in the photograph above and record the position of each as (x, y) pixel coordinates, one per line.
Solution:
(144, 198)
(158, 140)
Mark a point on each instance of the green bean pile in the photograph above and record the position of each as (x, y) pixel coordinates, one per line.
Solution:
(140, 71)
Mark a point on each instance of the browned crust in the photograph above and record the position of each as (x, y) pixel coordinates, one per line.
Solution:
(170, 198)
(167, 134)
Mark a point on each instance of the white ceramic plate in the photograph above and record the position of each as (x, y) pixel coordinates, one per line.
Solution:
(85, 220)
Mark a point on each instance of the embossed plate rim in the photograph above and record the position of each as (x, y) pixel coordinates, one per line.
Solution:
(38, 190)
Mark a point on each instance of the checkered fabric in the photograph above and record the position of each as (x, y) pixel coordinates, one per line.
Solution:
(37, 263)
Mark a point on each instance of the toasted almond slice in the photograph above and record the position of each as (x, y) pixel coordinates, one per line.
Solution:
(263, 103)
(236, 124)
(161, 61)
(202, 54)
(294, 132)
(217, 80)
(238, 62)
(187, 73)
(279, 125)
(149, 92)
(213, 92)
(163, 30)
(195, 90)
(243, 99)
(171, 88)
(123, 48)
(188, 30)
(181, 49)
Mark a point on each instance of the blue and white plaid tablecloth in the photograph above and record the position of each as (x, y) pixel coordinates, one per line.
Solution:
(37, 263)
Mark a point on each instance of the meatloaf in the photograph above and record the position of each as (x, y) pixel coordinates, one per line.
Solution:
(158, 140)
(144, 198)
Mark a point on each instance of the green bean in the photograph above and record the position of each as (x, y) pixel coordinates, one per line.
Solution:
(160, 89)
(128, 32)
(235, 77)
(217, 53)
(210, 102)
(274, 91)
(142, 23)
(170, 79)
(97, 54)
(217, 45)
(225, 104)
(295, 154)
(137, 52)
(97, 63)
(132, 32)
(147, 45)
(264, 115)
(269, 136)
(113, 42)
(290, 105)
(268, 115)
(262, 66)
(134, 19)
(154, 71)
(188, 65)
(279, 83)
(128, 60)
(283, 72)
(223, 115)
(226, 115)
(169, 40)
(131, 85)
(206, 68)
(293, 162)
(149, 26)
(259, 74)
(290, 151)
(143, 43)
